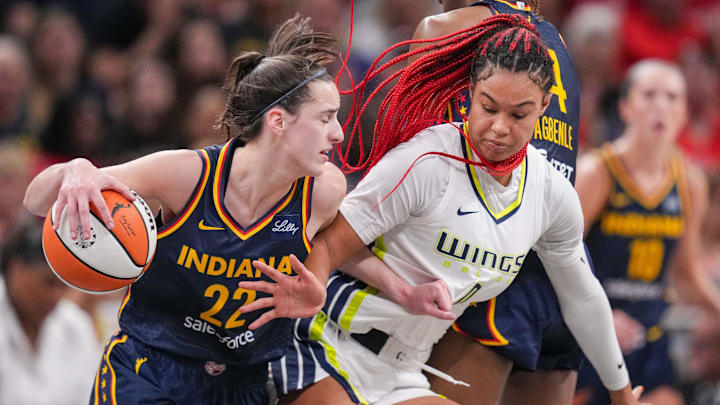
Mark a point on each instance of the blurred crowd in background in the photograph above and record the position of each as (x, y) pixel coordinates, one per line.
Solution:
(116, 79)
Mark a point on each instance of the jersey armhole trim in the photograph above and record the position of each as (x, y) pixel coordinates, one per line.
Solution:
(193, 202)
(306, 209)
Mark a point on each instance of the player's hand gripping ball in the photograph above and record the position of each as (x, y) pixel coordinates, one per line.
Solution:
(111, 258)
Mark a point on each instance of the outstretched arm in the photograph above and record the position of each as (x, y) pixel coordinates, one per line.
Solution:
(583, 303)
(425, 299)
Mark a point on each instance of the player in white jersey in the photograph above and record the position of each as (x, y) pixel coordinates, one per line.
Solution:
(436, 213)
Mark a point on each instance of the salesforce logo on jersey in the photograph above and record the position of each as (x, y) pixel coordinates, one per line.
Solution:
(286, 226)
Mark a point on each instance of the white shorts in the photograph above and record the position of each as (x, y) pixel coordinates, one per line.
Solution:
(323, 348)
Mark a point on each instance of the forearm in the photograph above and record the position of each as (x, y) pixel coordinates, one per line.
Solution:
(332, 247)
(586, 311)
(368, 268)
(597, 338)
(44, 188)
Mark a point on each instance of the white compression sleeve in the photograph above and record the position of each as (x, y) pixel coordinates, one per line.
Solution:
(586, 311)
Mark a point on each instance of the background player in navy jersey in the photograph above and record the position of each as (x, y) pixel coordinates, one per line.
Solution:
(522, 329)
(644, 205)
(262, 195)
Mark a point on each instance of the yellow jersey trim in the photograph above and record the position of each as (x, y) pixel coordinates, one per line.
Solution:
(379, 249)
(305, 211)
(113, 395)
(478, 188)
(124, 301)
(649, 201)
(354, 305)
(515, 5)
(182, 218)
(240, 233)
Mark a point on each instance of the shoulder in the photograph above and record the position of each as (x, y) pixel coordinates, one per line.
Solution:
(330, 184)
(328, 191)
(593, 168)
(438, 138)
(697, 186)
(446, 23)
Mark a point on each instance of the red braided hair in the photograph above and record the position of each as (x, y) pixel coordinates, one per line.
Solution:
(446, 68)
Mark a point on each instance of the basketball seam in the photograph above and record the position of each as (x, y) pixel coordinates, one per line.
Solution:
(147, 234)
(120, 243)
(89, 266)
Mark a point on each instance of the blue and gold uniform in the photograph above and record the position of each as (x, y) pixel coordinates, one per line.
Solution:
(633, 241)
(524, 323)
(183, 338)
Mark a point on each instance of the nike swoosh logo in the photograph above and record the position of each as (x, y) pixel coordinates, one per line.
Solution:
(461, 212)
(203, 227)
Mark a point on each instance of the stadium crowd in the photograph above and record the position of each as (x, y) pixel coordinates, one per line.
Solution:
(113, 80)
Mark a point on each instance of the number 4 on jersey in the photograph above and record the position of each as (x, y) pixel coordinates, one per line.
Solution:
(557, 88)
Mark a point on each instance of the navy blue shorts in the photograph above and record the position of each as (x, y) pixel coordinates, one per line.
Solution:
(649, 366)
(524, 323)
(131, 372)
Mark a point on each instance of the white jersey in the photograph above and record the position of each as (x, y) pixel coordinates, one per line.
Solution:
(452, 221)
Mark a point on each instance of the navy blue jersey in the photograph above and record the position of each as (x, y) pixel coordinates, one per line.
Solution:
(555, 131)
(634, 237)
(187, 303)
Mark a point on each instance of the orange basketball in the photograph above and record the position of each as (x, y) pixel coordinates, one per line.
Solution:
(110, 259)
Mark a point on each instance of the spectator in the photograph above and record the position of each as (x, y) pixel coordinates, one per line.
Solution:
(58, 50)
(47, 346)
(591, 33)
(202, 57)
(14, 85)
(202, 114)
(701, 139)
(657, 29)
(145, 125)
(703, 361)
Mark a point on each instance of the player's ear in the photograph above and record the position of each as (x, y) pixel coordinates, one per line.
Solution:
(275, 120)
(545, 103)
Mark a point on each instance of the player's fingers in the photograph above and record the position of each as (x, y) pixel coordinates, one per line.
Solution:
(84, 215)
(269, 271)
(117, 185)
(71, 214)
(264, 318)
(58, 209)
(637, 391)
(263, 286)
(102, 208)
(442, 296)
(265, 302)
(440, 314)
(299, 267)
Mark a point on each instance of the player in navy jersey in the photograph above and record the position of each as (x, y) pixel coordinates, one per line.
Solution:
(260, 196)
(522, 329)
(644, 206)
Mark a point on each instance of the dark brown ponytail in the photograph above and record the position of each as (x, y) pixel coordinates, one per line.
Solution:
(256, 81)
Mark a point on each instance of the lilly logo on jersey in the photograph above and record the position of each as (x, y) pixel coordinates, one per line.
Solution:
(285, 226)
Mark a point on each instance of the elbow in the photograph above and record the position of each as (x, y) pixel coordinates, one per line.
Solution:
(30, 204)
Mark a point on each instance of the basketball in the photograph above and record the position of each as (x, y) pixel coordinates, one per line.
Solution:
(111, 258)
